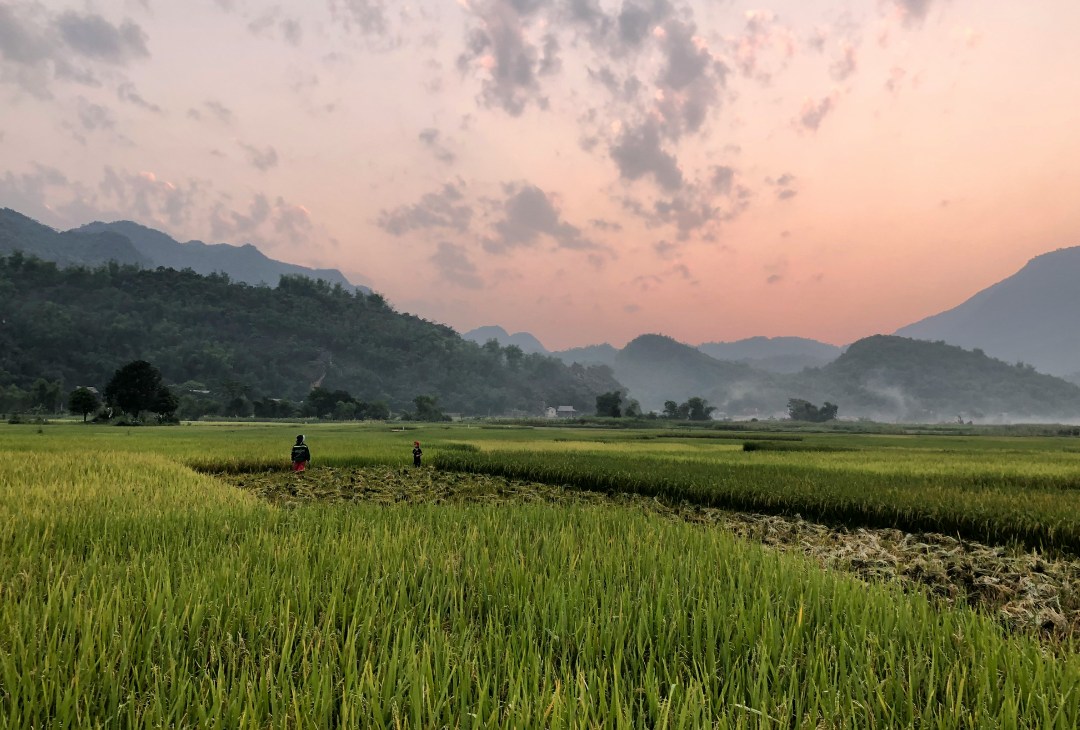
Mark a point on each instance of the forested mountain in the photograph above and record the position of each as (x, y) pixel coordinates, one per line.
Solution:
(895, 378)
(130, 243)
(527, 342)
(589, 355)
(19, 233)
(79, 325)
(775, 354)
(656, 369)
(1030, 316)
(241, 263)
(882, 378)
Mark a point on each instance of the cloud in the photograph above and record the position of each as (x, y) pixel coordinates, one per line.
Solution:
(93, 36)
(510, 62)
(896, 78)
(763, 40)
(636, 20)
(691, 79)
(368, 16)
(292, 221)
(776, 270)
(216, 109)
(442, 210)
(226, 224)
(35, 193)
(127, 92)
(20, 41)
(911, 12)
(721, 179)
(430, 139)
(31, 52)
(783, 186)
(638, 154)
(94, 116)
(265, 223)
(291, 30)
(453, 264)
(529, 214)
(604, 225)
(846, 65)
(49, 196)
(814, 112)
(149, 197)
(262, 159)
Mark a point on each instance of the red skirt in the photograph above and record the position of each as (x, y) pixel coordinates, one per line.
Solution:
(299, 465)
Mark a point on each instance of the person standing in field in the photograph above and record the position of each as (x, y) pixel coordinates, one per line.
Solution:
(416, 453)
(301, 455)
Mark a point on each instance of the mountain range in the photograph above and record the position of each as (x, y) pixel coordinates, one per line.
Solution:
(978, 360)
(126, 242)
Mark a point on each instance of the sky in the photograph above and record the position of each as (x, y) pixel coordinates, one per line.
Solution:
(583, 170)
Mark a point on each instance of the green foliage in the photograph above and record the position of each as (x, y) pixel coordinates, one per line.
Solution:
(609, 405)
(258, 342)
(138, 387)
(427, 409)
(694, 409)
(698, 409)
(802, 410)
(84, 402)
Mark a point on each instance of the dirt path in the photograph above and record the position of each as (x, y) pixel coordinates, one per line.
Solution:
(1026, 591)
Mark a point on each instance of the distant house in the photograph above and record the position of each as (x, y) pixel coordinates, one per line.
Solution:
(565, 412)
(549, 412)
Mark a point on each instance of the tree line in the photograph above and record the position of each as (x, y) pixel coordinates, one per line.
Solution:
(233, 349)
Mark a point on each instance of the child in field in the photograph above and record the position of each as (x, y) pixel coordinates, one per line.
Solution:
(416, 453)
(301, 455)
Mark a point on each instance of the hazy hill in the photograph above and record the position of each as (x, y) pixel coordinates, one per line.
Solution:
(894, 378)
(775, 354)
(78, 326)
(528, 344)
(882, 378)
(132, 244)
(242, 263)
(19, 233)
(656, 368)
(589, 355)
(1030, 316)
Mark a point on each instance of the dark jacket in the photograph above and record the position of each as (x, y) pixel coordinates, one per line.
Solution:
(300, 452)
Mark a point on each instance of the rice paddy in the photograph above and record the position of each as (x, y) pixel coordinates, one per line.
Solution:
(605, 589)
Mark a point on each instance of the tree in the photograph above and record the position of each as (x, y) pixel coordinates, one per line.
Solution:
(671, 409)
(803, 410)
(324, 402)
(514, 356)
(609, 404)
(135, 387)
(427, 409)
(84, 401)
(165, 403)
(698, 409)
(377, 411)
(47, 395)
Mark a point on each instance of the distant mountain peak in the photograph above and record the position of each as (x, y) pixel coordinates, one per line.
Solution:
(1029, 316)
(527, 342)
(128, 242)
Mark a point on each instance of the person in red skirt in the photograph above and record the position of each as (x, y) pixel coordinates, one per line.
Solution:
(301, 455)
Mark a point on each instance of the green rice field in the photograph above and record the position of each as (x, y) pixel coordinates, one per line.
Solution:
(524, 577)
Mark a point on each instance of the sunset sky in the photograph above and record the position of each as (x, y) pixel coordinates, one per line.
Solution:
(585, 170)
